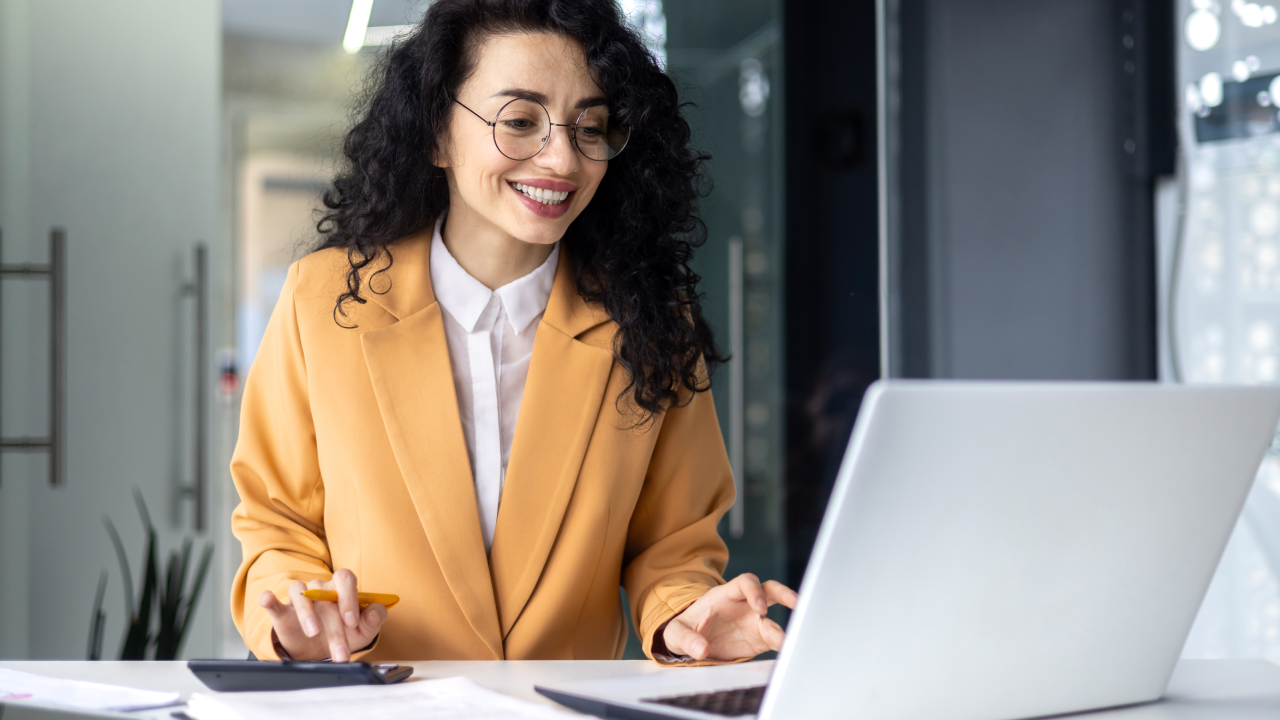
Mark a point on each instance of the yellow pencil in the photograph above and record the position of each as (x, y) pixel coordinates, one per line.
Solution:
(365, 599)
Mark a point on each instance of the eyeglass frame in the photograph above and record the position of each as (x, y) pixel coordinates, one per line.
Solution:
(573, 134)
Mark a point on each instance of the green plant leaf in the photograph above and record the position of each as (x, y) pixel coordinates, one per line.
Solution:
(182, 572)
(99, 619)
(150, 581)
(197, 585)
(170, 595)
(142, 509)
(139, 635)
(129, 607)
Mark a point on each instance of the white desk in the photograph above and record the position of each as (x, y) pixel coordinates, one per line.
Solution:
(1200, 689)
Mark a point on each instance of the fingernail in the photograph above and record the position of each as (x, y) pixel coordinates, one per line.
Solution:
(352, 619)
(312, 627)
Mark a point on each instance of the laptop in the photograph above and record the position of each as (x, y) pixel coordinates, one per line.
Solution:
(994, 550)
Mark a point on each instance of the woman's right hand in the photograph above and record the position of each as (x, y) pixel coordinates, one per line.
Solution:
(315, 629)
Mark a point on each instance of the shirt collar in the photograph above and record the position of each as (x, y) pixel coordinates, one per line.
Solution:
(526, 298)
(466, 298)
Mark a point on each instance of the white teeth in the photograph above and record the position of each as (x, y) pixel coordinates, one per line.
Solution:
(542, 195)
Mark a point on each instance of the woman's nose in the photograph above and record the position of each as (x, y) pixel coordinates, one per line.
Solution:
(560, 155)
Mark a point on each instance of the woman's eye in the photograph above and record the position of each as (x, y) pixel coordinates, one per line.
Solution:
(590, 132)
(518, 124)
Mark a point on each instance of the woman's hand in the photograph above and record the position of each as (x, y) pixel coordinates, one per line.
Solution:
(315, 630)
(729, 623)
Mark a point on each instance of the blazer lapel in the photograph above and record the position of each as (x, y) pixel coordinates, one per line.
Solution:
(413, 381)
(558, 413)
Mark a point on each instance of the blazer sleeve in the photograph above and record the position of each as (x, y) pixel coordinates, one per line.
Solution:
(674, 552)
(280, 519)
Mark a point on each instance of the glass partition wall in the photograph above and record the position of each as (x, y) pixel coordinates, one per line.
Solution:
(726, 59)
(728, 56)
(1222, 300)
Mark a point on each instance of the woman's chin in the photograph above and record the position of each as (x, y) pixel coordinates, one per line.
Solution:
(535, 230)
(538, 239)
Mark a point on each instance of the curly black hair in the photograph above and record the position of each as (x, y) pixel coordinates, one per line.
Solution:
(632, 244)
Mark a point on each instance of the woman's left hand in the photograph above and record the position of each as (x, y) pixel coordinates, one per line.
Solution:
(729, 623)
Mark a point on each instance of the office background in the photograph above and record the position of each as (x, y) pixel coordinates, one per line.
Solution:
(917, 188)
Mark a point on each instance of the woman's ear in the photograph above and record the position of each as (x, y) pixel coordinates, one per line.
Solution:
(438, 157)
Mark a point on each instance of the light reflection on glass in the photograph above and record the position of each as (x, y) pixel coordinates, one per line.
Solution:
(1226, 307)
(1202, 30)
(1211, 89)
(1252, 14)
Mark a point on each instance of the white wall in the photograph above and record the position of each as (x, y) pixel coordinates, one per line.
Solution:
(109, 127)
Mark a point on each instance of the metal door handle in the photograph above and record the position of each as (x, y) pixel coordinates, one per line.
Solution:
(737, 383)
(55, 272)
(199, 288)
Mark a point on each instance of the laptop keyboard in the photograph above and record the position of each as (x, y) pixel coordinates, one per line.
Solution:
(731, 703)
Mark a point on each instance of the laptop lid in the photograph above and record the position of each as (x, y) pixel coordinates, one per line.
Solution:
(1010, 550)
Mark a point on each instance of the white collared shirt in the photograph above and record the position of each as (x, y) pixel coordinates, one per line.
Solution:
(490, 336)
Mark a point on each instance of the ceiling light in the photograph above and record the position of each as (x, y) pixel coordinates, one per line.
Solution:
(1202, 30)
(357, 25)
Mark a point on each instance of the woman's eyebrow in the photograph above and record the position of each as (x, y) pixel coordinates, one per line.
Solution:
(538, 97)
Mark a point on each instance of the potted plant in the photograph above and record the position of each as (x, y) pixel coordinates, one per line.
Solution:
(170, 603)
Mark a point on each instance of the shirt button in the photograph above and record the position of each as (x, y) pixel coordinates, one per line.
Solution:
(493, 301)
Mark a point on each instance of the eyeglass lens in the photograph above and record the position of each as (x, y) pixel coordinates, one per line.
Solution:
(523, 128)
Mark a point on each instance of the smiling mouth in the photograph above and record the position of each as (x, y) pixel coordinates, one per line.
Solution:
(546, 197)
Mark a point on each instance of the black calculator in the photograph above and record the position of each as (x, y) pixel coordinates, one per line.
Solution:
(258, 675)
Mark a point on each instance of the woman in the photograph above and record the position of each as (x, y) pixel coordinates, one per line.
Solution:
(487, 390)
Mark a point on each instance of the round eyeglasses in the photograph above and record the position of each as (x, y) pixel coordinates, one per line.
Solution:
(523, 127)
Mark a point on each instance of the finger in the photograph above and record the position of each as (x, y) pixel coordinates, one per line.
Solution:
(752, 593)
(284, 622)
(772, 633)
(305, 610)
(335, 632)
(777, 593)
(373, 617)
(371, 620)
(344, 581)
(276, 609)
(684, 640)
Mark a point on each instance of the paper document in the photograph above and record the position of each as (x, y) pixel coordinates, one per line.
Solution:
(444, 699)
(17, 688)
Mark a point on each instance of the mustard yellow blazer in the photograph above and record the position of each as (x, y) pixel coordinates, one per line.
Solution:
(351, 454)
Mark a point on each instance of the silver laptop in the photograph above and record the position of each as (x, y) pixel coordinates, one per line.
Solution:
(994, 551)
